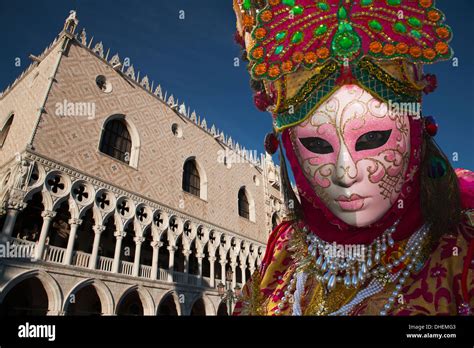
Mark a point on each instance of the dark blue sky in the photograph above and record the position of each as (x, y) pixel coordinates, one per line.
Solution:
(194, 59)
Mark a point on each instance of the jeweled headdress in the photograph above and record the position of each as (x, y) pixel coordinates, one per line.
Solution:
(301, 50)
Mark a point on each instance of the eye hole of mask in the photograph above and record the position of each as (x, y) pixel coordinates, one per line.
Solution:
(317, 145)
(372, 140)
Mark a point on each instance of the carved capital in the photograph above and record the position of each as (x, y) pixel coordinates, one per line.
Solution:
(48, 214)
(16, 199)
(120, 234)
(98, 229)
(138, 240)
(75, 221)
(172, 248)
(156, 244)
(15, 205)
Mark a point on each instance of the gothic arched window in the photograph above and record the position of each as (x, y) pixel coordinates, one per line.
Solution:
(244, 208)
(116, 140)
(191, 178)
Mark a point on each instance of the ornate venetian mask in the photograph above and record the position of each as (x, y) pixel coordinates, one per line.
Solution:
(354, 151)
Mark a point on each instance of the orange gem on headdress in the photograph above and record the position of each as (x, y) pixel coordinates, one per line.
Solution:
(287, 66)
(310, 57)
(434, 16)
(443, 33)
(260, 33)
(389, 49)
(257, 53)
(441, 48)
(261, 69)
(375, 47)
(429, 53)
(415, 51)
(322, 52)
(273, 2)
(297, 57)
(426, 3)
(402, 48)
(274, 71)
(248, 21)
(266, 16)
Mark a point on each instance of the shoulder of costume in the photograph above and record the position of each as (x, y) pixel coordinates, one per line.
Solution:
(277, 236)
(466, 188)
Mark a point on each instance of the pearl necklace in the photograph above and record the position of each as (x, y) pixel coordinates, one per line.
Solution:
(349, 268)
(333, 265)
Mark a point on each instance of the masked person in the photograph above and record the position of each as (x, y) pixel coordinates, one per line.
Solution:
(383, 224)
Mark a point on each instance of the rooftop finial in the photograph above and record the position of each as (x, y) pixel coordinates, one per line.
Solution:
(71, 22)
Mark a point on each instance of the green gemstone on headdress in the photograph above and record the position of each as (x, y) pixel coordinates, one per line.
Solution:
(247, 4)
(323, 6)
(279, 49)
(375, 25)
(344, 26)
(289, 2)
(346, 42)
(297, 10)
(280, 36)
(414, 22)
(394, 2)
(342, 13)
(416, 34)
(366, 2)
(399, 27)
(321, 30)
(297, 37)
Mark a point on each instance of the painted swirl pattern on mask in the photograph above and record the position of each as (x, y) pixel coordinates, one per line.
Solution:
(354, 151)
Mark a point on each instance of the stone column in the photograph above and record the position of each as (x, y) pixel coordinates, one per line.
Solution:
(242, 270)
(223, 280)
(72, 238)
(10, 220)
(119, 236)
(47, 218)
(172, 249)
(212, 259)
(186, 254)
(199, 258)
(156, 244)
(98, 229)
(138, 250)
(252, 269)
(233, 265)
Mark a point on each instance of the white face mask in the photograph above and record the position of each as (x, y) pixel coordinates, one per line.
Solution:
(355, 154)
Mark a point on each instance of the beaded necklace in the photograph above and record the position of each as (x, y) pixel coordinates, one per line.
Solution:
(353, 271)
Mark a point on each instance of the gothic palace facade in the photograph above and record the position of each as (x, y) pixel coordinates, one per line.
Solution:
(115, 198)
